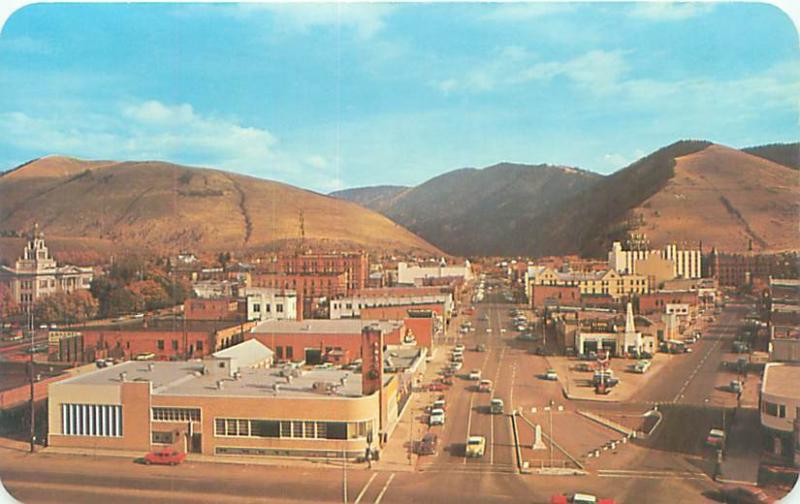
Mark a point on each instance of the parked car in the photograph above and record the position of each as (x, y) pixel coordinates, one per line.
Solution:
(436, 417)
(579, 498)
(476, 446)
(167, 456)
(428, 445)
(551, 375)
(455, 366)
(145, 356)
(485, 386)
(735, 386)
(642, 366)
(583, 367)
(480, 347)
(739, 494)
(437, 386)
(475, 375)
(439, 404)
(715, 438)
(459, 348)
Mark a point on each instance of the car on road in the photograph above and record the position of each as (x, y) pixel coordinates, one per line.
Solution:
(436, 417)
(476, 446)
(551, 375)
(735, 386)
(167, 456)
(437, 386)
(715, 438)
(496, 406)
(740, 494)
(485, 386)
(579, 498)
(475, 375)
(488, 329)
(641, 367)
(480, 347)
(428, 445)
(459, 348)
(457, 357)
(583, 367)
(145, 356)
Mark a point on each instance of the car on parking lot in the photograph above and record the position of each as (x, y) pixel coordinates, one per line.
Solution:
(485, 386)
(437, 386)
(428, 445)
(488, 329)
(579, 498)
(167, 456)
(455, 366)
(735, 386)
(436, 417)
(439, 404)
(480, 347)
(641, 367)
(476, 446)
(551, 375)
(475, 375)
(459, 348)
(715, 438)
(457, 357)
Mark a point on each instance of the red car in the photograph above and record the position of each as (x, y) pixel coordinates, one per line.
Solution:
(167, 456)
(579, 498)
(437, 386)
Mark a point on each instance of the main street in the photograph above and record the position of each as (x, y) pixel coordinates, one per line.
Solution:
(630, 476)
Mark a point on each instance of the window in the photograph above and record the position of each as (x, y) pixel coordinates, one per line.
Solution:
(199, 345)
(770, 409)
(174, 344)
(91, 420)
(257, 308)
(279, 308)
(42, 284)
(265, 428)
(163, 437)
(289, 352)
(161, 344)
(279, 352)
(175, 414)
(268, 307)
(782, 411)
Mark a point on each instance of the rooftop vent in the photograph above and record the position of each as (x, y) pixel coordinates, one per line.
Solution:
(123, 376)
(220, 384)
(150, 366)
(237, 375)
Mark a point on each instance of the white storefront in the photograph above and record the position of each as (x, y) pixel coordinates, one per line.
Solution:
(409, 274)
(264, 303)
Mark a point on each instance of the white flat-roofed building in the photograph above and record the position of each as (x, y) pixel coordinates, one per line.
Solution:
(350, 307)
(409, 273)
(687, 263)
(264, 303)
(780, 406)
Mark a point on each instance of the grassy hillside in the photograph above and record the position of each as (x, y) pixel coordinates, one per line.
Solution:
(786, 154)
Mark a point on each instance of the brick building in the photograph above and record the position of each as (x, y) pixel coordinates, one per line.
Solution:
(354, 266)
(213, 309)
(656, 302)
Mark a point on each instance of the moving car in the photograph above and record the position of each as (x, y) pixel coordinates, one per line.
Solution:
(428, 445)
(485, 386)
(480, 347)
(579, 498)
(437, 386)
(496, 406)
(475, 375)
(735, 386)
(551, 375)
(476, 446)
(167, 456)
(642, 366)
(436, 417)
(743, 495)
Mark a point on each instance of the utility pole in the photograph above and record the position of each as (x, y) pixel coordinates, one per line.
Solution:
(550, 412)
(31, 376)
(344, 473)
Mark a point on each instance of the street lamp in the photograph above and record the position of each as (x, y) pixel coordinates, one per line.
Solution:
(550, 414)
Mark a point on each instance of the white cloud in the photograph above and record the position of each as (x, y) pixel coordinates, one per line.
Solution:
(598, 71)
(523, 11)
(154, 130)
(669, 11)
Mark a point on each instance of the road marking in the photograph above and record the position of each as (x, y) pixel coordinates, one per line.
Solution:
(469, 424)
(364, 490)
(383, 490)
(680, 393)
(491, 439)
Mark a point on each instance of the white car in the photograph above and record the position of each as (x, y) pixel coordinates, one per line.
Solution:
(455, 366)
(551, 375)
(488, 329)
(475, 375)
(436, 417)
(503, 329)
(459, 348)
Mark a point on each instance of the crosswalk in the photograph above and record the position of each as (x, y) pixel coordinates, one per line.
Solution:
(496, 468)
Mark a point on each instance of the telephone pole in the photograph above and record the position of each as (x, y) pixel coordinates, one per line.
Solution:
(31, 376)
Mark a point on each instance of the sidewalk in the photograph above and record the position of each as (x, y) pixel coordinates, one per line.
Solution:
(742, 456)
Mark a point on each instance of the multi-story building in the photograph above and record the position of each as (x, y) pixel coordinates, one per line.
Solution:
(264, 303)
(351, 306)
(686, 263)
(737, 270)
(354, 266)
(410, 274)
(37, 274)
(230, 406)
(603, 283)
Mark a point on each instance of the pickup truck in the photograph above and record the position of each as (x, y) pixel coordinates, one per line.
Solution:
(476, 446)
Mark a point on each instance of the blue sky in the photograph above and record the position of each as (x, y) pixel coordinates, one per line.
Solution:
(333, 96)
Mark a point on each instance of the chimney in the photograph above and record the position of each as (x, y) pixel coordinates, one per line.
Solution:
(220, 384)
(150, 366)
(123, 376)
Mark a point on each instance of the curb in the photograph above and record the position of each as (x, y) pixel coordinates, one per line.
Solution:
(605, 422)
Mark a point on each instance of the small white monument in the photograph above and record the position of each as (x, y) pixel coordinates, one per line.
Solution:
(538, 444)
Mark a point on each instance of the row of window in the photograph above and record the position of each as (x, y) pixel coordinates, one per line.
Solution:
(175, 414)
(279, 352)
(776, 410)
(91, 420)
(267, 308)
(167, 437)
(291, 429)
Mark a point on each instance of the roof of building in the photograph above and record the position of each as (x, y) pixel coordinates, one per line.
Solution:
(400, 357)
(247, 353)
(166, 324)
(781, 379)
(324, 326)
(187, 379)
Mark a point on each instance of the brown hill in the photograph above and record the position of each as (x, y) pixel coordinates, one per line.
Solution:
(689, 192)
(166, 207)
(726, 198)
(786, 154)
